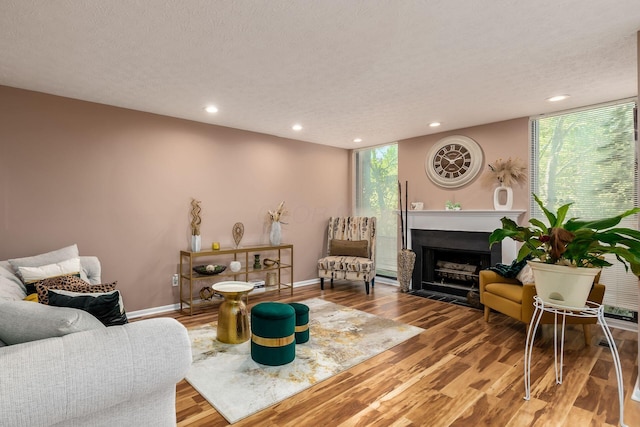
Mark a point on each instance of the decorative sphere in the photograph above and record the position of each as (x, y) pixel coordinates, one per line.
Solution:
(235, 266)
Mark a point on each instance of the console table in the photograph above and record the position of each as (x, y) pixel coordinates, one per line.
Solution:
(189, 278)
(591, 309)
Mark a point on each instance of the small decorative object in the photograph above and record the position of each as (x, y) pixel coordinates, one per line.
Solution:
(209, 270)
(272, 279)
(235, 266)
(473, 297)
(507, 172)
(195, 225)
(215, 246)
(238, 232)
(452, 206)
(571, 248)
(417, 206)
(206, 293)
(406, 257)
(256, 262)
(268, 262)
(275, 236)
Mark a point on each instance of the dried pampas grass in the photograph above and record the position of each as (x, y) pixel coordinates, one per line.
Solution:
(509, 172)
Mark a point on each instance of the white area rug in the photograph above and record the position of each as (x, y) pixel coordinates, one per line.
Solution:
(341, 337)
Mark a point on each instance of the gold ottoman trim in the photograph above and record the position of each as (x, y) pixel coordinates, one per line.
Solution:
(273, 342)
(302, 328)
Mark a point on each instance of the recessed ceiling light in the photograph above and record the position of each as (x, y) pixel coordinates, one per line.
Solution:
(296, 127)
(357, 140)
(557, 98)
(211, 109)
(434, 124)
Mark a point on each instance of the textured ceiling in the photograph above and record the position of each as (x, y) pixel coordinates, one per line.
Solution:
(378, 70)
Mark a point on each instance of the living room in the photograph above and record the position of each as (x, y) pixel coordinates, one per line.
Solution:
(119, 182)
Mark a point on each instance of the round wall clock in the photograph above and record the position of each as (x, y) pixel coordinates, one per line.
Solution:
(453, 161)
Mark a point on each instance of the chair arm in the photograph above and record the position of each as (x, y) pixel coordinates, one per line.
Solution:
(52, 380)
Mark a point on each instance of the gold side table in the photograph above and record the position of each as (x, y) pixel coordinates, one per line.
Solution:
(233, 318)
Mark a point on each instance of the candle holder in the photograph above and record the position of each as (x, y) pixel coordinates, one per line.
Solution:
(256, 262)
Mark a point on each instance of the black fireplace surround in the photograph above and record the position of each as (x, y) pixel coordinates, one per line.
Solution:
(438, 250)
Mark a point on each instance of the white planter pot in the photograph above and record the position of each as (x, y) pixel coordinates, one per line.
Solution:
(563, 285)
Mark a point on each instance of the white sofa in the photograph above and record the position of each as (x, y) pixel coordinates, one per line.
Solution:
(100, 376)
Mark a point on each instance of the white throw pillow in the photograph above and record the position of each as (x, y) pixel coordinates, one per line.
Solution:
(526, 275)
(35, 274)
(44, 259)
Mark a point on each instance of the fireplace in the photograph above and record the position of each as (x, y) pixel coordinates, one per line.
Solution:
(452, 246)
(448, 262)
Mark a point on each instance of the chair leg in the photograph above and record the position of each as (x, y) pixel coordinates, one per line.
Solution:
(366, 287)
(587, 333)
(322, 283)
(487, 310)
(332, 283)
(373, 282)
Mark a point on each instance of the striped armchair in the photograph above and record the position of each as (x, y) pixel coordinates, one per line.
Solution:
(351, 251)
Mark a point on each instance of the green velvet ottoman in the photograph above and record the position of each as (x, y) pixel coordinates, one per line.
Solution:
(273, 327)
(302, 322)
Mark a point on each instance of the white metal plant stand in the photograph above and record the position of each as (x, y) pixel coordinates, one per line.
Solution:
(591, 309)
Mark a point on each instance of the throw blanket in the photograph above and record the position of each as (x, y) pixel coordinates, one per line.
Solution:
(510, 270)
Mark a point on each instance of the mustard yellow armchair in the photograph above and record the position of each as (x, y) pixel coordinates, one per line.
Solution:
(510, 297)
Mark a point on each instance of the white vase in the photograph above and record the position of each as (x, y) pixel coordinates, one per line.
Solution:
(275, 236)
(562, 284)
(196, 243)
(508, 197)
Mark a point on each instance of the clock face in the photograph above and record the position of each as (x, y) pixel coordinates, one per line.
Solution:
(453, 161)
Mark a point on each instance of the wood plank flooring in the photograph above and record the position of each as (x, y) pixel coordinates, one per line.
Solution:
(461, 371)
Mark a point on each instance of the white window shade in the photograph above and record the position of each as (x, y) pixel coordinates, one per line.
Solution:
(588, 158)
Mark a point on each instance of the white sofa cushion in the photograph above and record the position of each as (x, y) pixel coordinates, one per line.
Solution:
(10, 290)
(10, 285)
(24, 321)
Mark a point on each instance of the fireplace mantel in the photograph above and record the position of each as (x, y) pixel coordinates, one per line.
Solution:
(464, 220)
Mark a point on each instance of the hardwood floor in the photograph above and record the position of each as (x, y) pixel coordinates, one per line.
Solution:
(461, 371)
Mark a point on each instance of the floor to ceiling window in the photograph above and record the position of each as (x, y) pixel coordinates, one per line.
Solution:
(376, 194)
(588, 157)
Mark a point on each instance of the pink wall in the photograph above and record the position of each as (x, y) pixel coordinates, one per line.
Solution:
(497, 140)
(119, 184)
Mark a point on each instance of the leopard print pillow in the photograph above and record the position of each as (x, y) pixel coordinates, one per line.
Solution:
(69, 283)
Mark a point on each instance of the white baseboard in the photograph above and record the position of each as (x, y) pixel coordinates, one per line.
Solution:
(174, 307)
(153, 311)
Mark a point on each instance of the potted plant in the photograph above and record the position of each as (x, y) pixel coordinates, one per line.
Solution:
(573, 247)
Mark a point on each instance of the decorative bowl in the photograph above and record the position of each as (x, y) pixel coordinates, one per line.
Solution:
(202, 269)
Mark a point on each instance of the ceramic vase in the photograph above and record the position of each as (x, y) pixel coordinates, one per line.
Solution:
(406, 262)
(196, 243)
(275, 236)
(507, 194)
